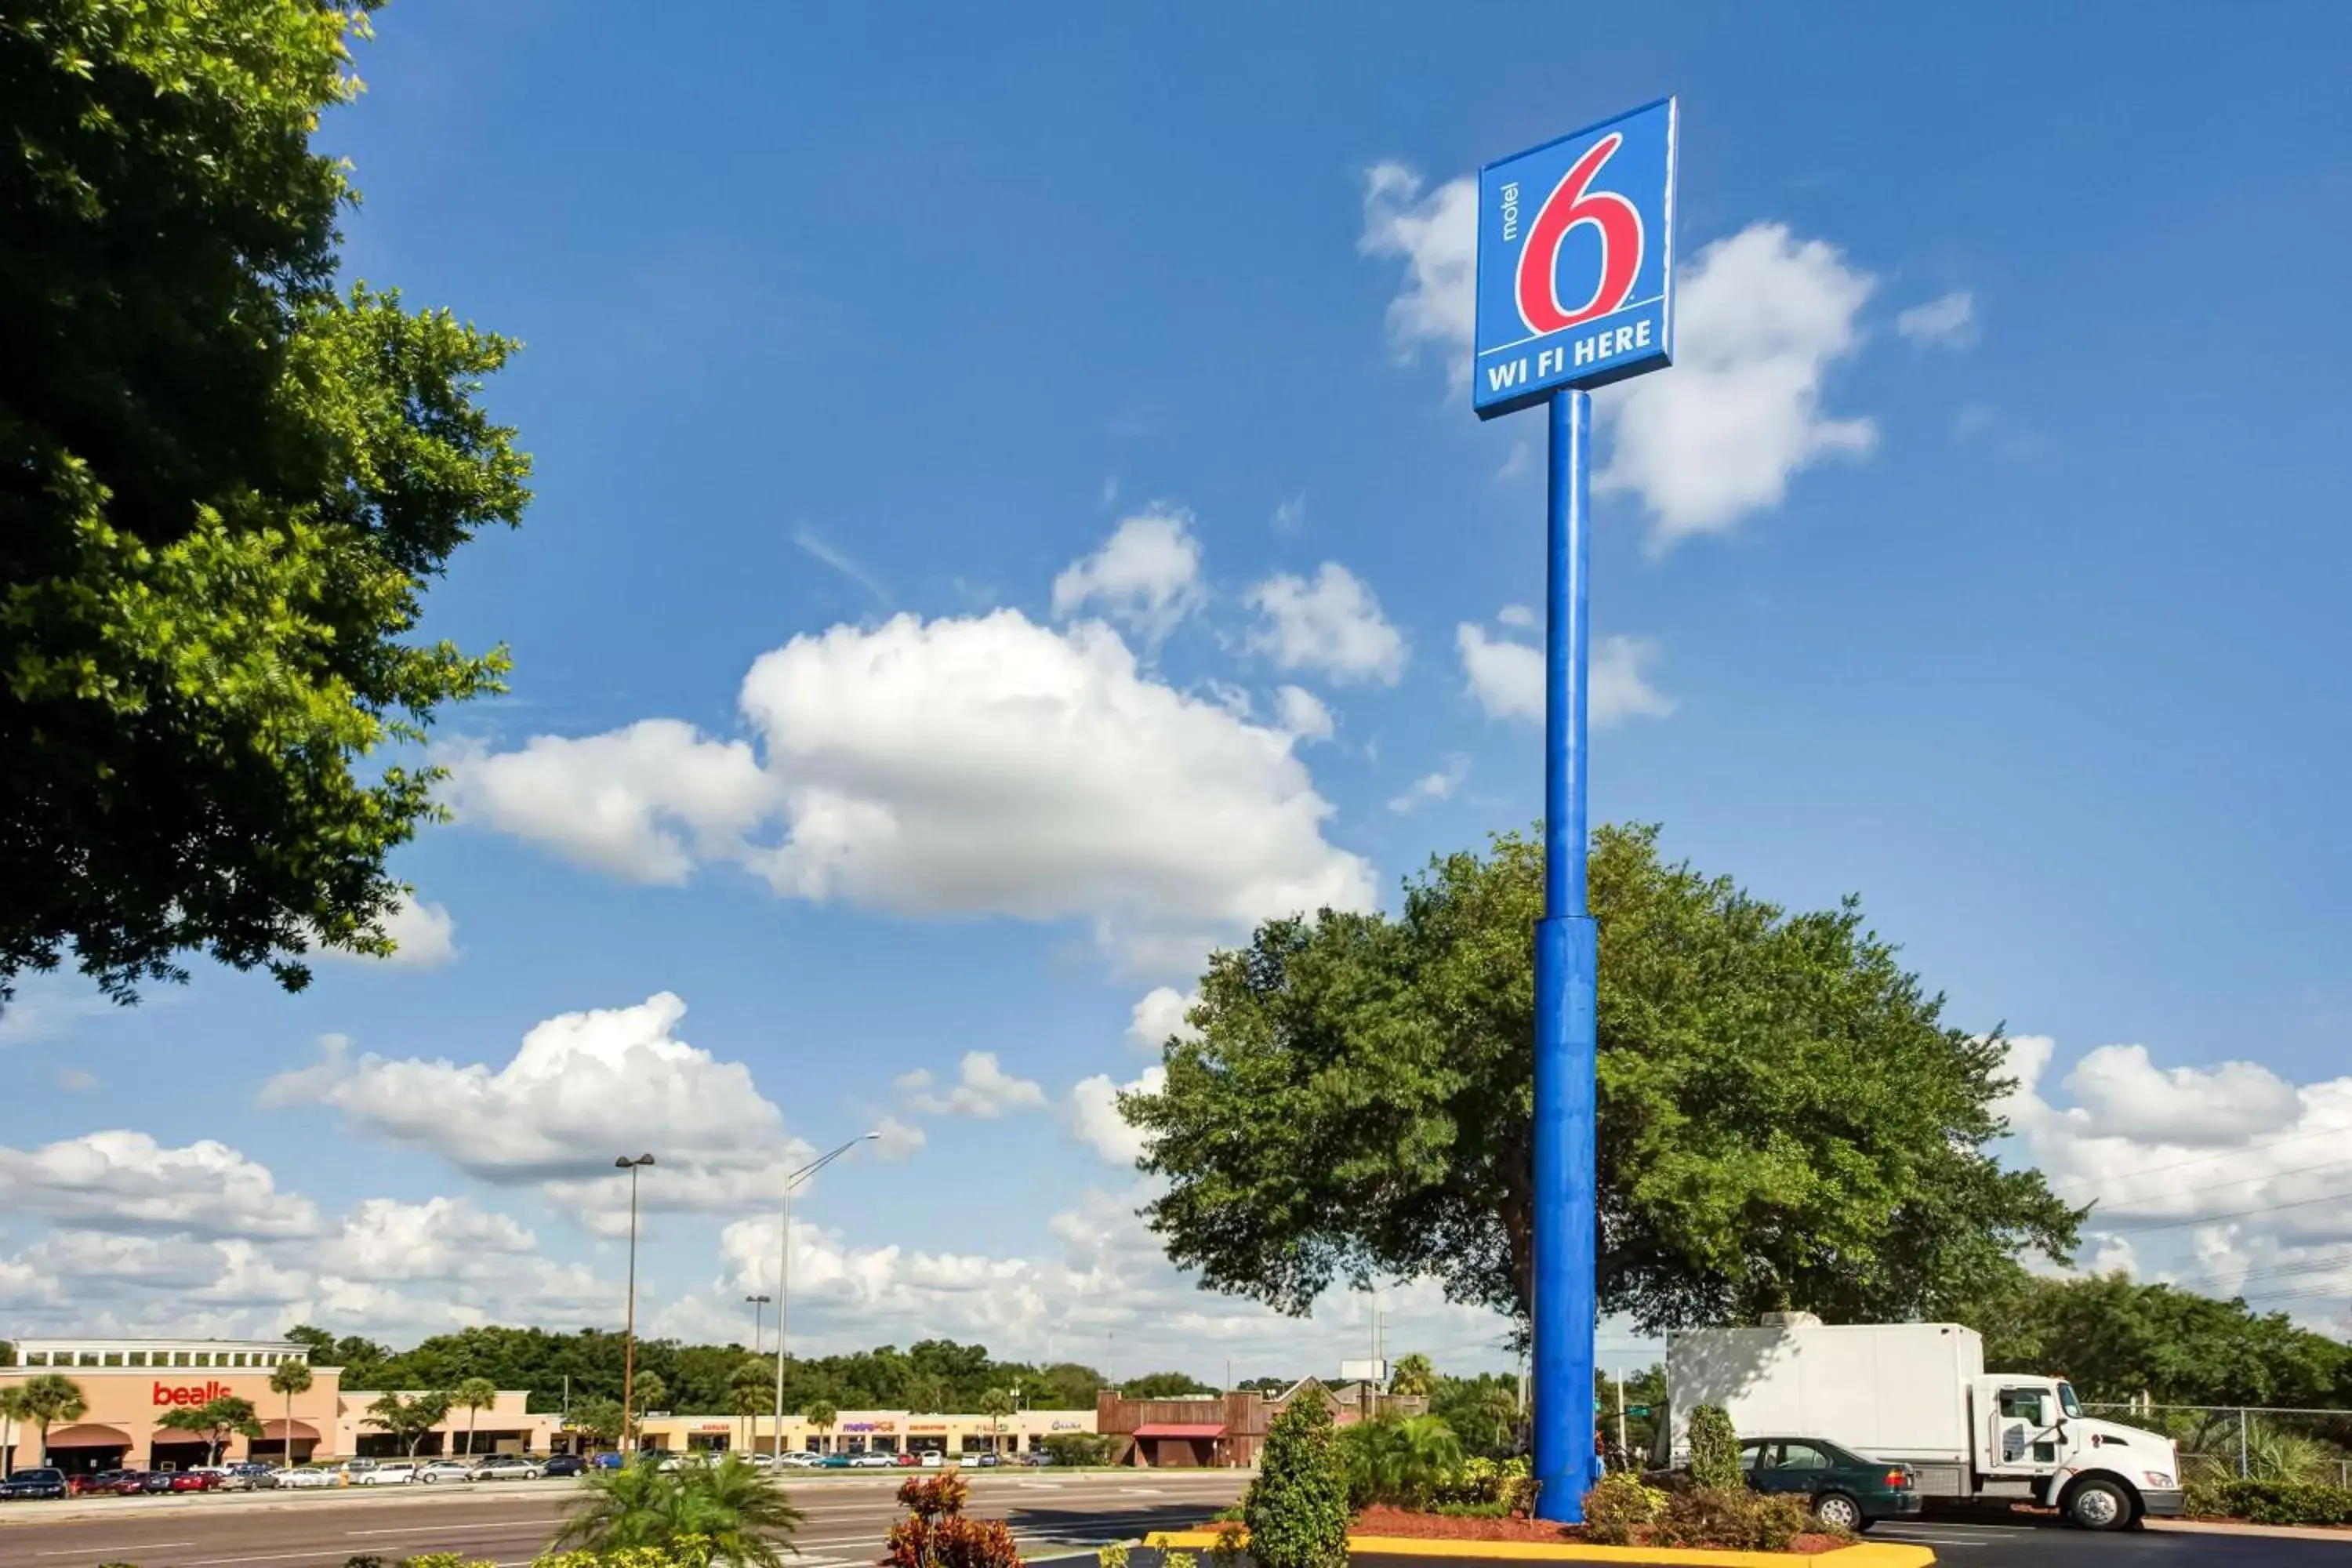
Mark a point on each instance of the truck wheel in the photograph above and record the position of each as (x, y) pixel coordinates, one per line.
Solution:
(1840, 1511)
(2099, 1504)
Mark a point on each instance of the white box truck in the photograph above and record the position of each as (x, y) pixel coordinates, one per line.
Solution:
(1918, 1395)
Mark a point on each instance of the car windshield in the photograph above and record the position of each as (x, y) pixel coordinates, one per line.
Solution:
(2067, 1400)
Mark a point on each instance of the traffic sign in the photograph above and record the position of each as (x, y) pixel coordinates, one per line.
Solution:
(1576, 264)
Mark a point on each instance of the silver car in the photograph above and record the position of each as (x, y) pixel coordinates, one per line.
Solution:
(445, 1470)
(508, 1468)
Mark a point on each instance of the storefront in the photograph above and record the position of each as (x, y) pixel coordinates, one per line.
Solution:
(865, 1431)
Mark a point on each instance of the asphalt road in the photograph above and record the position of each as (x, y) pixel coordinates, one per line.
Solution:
(509, 1522)
(1974, 1541)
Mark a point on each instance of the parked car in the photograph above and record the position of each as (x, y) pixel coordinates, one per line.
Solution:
(836, 1461)
(797, 1460)
(156, 1481)
(986, 1461)
(934, 1457)
(563, 1465)
(445, 1470)
(309, 1477)
(197, 1479)
(38, 1482)
(397, 1474)
(872, 1461)
(508, 1468)
(252, 1474)
(907, 1457)
(1843, 1488)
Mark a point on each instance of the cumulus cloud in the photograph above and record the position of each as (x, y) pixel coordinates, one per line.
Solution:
(1761, 318)
(644, 802)
(1095, 1118)
(1948, 321)
(583, 1089)
(1147, 575)
(423, 937)
(898, 1139)
(1161, 1014)
(982, 1088)
(125, 1181)
(962, 766)
(1331, 623)
(1439, 786)
(1302, 714)
(1507, 678)
(2230, 1163)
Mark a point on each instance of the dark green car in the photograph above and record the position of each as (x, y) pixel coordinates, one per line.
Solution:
(1844, 1489)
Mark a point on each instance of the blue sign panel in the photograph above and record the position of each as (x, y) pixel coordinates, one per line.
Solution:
(1576, 263)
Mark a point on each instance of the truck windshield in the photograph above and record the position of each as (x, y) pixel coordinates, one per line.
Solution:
(2067, 1401)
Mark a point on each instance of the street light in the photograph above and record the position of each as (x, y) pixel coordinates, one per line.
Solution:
(784, 1267)
(629, 1333)
(757, 1302)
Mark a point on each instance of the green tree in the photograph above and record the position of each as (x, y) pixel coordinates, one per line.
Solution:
(50, 1398)
(652, 1392)
(408, 1418)
(1483, 1412)
(13, 1413)
(822, 1416)
(473, 1395)
(732, 1510)
(598, 1419)
(1399, 1460)
(1164, 1386)
(226, 483)
(216, 1420)
(996, 1404)
(1412, 1375)
(1784, 1120)
(745, 1400)
(290, 1378)
(1297, 1509)
(1714, 1447)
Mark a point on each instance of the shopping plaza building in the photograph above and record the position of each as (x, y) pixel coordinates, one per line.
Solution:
(128, 1385)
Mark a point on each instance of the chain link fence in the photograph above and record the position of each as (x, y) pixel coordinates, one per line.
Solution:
(2223, 1442)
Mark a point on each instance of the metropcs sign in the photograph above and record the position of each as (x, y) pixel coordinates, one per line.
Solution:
(191, 1393)
(1576, 265)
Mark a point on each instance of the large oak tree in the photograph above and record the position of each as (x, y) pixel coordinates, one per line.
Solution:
(225, 481)
(1785, 1120)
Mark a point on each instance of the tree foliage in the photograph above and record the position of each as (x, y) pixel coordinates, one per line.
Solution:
(1714, 1447)
(1297, 1509)
(408, 1418)
(730, 1510)
(1482, 1411)
(225, 484)
(1164, 1386)
(216, 1420)
(1412, 1375)
(1785, 1121)
(48, 1399)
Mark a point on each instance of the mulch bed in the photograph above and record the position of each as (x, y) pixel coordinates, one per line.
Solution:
(1382, 1520)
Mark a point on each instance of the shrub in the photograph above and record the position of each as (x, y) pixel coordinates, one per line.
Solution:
(1111, 1556)
(1179, 1560)
(1297, 1509)
(2273, 1502)
(1478, 1482)
(1400, 1460)
(364, 1560)
(1714, 1448)
(435, 1559)
(1619, 1505)
(1730, 1519)
(935, 1534)
(1231, 1541)
(1078, 1448)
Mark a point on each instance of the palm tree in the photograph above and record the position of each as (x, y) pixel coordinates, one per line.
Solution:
(745, 1399)
(12, 1411)
(822, 1416)
(1414, 1375)
(996, 1404)
(52, 1397)
(736, 1512)
(476, 1394)
(292, 1378)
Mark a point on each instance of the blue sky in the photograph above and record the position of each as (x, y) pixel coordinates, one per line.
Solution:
(1983, 556)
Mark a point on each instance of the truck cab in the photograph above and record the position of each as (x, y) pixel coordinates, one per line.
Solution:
(2099, 1474)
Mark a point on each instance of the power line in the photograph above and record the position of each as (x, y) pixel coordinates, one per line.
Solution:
(2218, 1218)
(2201, 1159)
(2234, 1182)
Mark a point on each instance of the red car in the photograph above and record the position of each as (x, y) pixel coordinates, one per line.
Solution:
(909, 1458)
(108, 1483)
(195, 1481)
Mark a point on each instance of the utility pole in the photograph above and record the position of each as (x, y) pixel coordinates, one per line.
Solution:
(629, 1330)
(1623, 1458)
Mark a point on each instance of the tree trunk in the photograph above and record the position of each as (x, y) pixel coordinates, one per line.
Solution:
(473, 1420)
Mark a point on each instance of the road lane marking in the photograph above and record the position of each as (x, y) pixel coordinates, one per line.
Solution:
(443, 1528)
(135, 1546)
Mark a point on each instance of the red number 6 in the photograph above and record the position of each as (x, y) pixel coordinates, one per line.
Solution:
(1620, 246)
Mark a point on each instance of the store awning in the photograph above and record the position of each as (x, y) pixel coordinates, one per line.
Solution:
(1181, 1429)
(275, 1431)
(89, 1435)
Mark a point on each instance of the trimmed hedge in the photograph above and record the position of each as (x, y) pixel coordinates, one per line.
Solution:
(2273, 1502)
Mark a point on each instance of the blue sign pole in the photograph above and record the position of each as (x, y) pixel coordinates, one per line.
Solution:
(1565, 1308)
(1575, 289)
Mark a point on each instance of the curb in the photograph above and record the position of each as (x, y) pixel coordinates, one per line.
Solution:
(1865, 1554)
(2238, 1527)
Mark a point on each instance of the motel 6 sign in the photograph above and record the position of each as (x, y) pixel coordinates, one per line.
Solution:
(1576, 262)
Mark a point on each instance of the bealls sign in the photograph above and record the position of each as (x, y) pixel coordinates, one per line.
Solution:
(191, 1393)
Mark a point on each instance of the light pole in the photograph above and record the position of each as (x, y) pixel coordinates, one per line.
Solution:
(757, 1302)
(784, 1266)
(629, 1334)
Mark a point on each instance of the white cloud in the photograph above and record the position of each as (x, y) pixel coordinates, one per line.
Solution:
(73, 1079)
(1507, 678)
(898, 1139)
(1434, 233)
(1761, 318)
(1948, 321)
(644, 802)
(46, 1007)
(2246, 1171)
(1518, 616)
(583, 1089)
(125, 1181)
(1095, 1118)
(841, 562)
(982, 1088)
(1301, 713)
(1158, 1013)
(1147, 575)
(423, 937)
(1289, 514)
(1439, 786)
(1332, 623)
